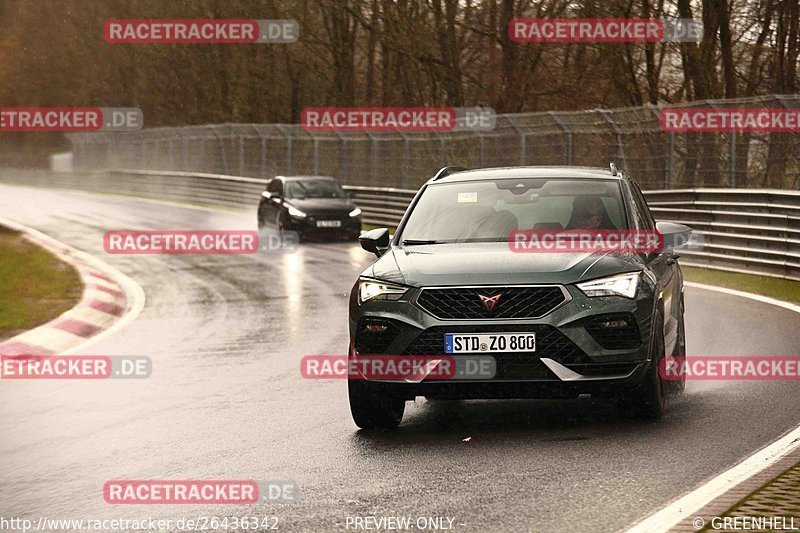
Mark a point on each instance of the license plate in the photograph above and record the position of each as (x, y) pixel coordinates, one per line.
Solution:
(489, 342)
(329, 223)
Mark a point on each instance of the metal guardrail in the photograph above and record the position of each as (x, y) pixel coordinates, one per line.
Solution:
(754, 231)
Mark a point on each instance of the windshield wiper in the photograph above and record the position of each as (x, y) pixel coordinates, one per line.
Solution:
(419, 242)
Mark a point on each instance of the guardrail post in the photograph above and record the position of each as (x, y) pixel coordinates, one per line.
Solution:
(184, 152)
(406, 158)
(288, 138)
(343, 161)
(567, 133)
(156, 152)
(669, 181)
(262, 162)
(522, 147)
(241, 154)
(316, 155)
(373, 158)
(617, 135)
(442, 149)
(221, 147)
(732, 160)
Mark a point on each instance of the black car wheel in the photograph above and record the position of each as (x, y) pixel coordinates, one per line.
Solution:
(372, 406)
(648, 399)
(279, 223)
(677, 386)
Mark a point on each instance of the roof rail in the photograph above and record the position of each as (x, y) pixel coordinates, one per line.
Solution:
(613, 167)
(446, 171)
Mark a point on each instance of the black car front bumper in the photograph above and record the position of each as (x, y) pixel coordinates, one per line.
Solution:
(350, 227)
(585, 345)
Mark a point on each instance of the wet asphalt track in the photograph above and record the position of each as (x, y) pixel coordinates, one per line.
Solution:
(226, 401)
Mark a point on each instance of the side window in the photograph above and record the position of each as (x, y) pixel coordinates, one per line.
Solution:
(641, 204)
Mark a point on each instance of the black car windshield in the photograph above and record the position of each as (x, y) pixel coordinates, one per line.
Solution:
(489, 210)
(302, 189)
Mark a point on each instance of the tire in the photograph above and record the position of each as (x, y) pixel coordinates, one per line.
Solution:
(373, 408)
(647, 401)
(279, 224)
(677, 386)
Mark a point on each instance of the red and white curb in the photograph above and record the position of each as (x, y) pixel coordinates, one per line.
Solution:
(110, 301)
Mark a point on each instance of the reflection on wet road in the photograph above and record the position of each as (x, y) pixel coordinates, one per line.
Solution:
(226, 401)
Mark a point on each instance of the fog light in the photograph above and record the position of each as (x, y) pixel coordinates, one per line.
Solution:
(613, 324)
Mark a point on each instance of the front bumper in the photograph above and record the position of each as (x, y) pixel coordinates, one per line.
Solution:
(350, 226)
(573, 356)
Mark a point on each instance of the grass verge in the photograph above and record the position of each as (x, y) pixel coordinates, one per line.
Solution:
(35, 286)
(781, 289)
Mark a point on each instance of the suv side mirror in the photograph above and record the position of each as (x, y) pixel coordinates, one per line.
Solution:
(375, 241)
(674, 234)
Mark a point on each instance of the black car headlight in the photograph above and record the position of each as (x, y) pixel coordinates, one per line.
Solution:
(371, 289)
(294, 212)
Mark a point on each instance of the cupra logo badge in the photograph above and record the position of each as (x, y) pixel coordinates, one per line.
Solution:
(489, 302)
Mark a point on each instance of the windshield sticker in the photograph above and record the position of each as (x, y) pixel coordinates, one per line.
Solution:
(467, 197)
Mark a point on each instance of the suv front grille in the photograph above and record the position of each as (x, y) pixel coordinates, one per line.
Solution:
(550, 343)
(454, 303)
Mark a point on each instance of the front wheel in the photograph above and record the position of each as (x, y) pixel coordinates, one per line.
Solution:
(677, 386)
(647, 400)
(372, 407)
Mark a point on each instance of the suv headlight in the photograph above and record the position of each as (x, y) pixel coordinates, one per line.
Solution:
(294, 212)
(379, 290)
(355, 212)
(617, 285)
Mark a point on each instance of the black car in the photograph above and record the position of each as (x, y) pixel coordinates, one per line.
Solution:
(591, 322)
(309, 206)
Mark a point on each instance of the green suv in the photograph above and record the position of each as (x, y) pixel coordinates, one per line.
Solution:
(559, 323)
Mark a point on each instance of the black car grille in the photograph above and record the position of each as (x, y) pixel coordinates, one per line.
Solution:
(550, 343)
(513, 302)
(616, 331)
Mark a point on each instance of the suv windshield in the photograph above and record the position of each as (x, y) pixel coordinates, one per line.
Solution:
(302, 189)
(489, 210)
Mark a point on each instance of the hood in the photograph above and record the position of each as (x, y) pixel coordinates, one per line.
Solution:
(318, 205)
(494, 263)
